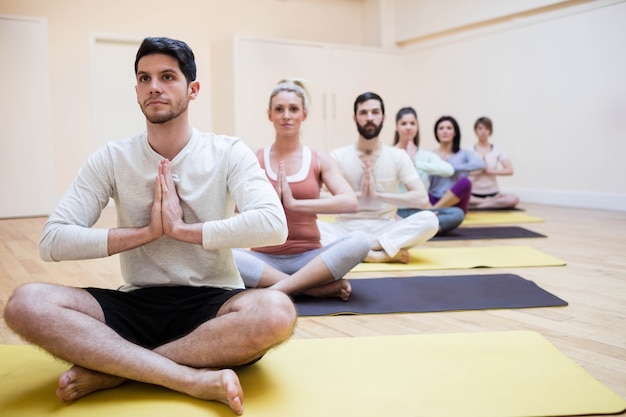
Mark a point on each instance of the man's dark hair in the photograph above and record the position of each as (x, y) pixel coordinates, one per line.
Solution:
(369, 96)
(172, 47)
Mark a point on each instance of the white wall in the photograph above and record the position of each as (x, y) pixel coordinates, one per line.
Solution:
(72, 25)
(555, 87)
(549, 72)
(26, 167)
(423, 18)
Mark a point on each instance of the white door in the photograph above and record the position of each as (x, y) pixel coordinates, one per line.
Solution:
(356, 71)
(27, 160)
(116, 114)
(259, 66)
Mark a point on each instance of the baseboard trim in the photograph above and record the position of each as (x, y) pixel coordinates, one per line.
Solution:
(580, 199)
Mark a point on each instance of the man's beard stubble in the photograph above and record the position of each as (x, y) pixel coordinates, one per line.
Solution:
(164, 117)
(367, 132)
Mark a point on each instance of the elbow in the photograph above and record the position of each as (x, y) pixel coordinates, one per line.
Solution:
(343, 203)
(44, 254)
(275, 229)
(276, 234)
(280, 230)
(420, 202)
(45, 247)
(282, 235)
(352, 208)
(424, 203)
(351, 205)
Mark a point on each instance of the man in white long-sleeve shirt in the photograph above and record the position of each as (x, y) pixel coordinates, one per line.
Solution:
(182, 318)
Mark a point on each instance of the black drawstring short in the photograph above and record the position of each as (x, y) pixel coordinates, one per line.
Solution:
(153, 316)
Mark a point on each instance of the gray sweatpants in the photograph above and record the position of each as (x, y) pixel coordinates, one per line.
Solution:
(340, 257)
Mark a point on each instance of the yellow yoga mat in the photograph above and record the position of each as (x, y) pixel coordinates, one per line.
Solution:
(500, 374)
(466, 258)
(483, 217)
(499, 217)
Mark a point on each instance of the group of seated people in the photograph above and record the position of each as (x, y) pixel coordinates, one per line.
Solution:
(183, 319)
(456, 179)
(386, 199)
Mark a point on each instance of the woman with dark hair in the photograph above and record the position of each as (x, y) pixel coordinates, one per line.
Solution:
(407, 137)
(485, 191)
(456, 189)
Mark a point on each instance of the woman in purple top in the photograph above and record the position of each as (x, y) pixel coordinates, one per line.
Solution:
(455, 190)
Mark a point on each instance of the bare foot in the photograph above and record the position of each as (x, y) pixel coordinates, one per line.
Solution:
(380, 256)
(222, 386)
(340, 289)
(77, 382)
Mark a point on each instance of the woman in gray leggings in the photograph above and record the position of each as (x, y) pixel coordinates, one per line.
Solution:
(298, 173)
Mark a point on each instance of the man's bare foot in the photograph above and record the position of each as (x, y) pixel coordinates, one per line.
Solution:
(222, 385)
(380, 256)
(77, 382)
(340, 289)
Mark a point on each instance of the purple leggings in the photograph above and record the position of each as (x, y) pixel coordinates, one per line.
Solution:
(462, 189)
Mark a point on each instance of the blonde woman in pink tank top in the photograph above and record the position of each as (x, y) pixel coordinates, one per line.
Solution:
(298, 173)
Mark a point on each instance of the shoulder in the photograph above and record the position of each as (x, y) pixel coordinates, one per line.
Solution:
(497, 148)
(122, 149)
(467, 153)
(499, 152)
(221, 150)
(324, 160)
(394, 152)
(127, 143)
(396, 157)
(220, 143)
(215, 139)
(343, 151)
(424, 154)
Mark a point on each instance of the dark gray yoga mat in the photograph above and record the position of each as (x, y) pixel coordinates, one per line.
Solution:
(431, 293)
(492, 232)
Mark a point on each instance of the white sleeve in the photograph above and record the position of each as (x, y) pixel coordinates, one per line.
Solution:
(261, 220)
(432, 164)
(67, 235)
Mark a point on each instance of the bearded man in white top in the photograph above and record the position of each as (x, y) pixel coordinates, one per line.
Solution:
(374, 170)
(183, 317)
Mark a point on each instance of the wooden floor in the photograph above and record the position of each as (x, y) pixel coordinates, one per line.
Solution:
(591, 330)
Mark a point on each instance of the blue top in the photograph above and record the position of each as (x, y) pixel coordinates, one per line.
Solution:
(463, 162)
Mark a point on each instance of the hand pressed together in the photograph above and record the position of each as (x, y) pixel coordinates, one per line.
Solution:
(171, 211)
(368, 182)
(283, 189)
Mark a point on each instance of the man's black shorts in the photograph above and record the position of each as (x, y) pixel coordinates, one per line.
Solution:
(153, 316)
